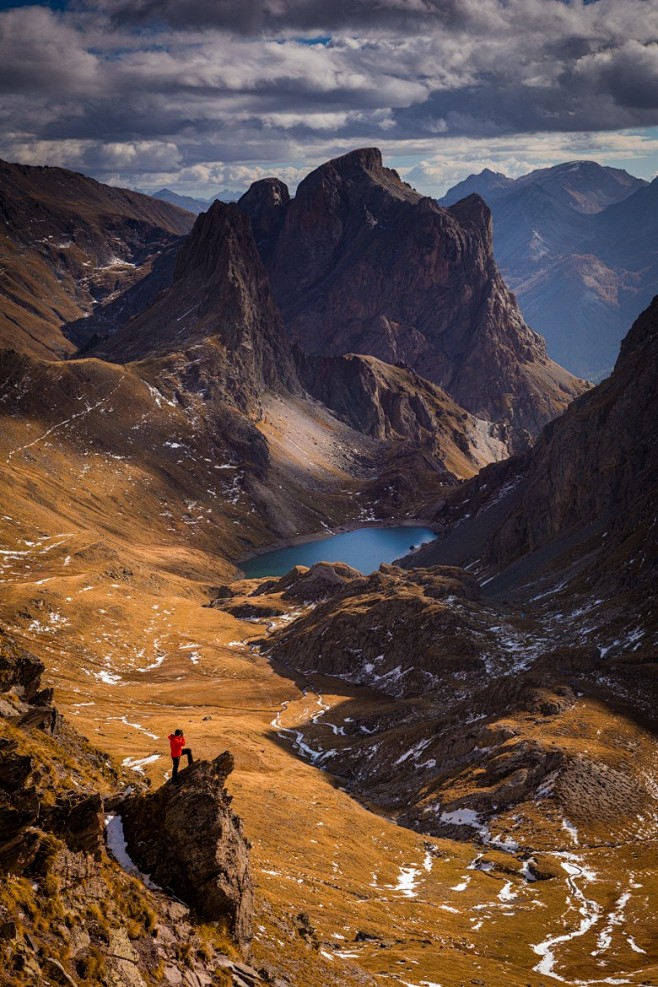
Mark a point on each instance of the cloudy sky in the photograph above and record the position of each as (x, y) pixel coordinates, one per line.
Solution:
(202, 95)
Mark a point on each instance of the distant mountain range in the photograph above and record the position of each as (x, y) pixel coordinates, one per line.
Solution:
(195, 205)
(577, 244)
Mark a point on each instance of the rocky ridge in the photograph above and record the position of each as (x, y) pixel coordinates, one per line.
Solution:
(471, 743)
(68, 913)
(576, 516)
(394, 403)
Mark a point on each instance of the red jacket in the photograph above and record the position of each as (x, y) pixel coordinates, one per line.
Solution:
(176, 744)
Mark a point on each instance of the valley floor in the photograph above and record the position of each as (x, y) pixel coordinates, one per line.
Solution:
(344, 895)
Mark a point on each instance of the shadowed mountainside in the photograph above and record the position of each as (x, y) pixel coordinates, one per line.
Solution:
(578, 510)
(220, 291)
(68, 243)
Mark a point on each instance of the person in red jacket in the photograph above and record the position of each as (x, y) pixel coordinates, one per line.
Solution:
(178, 748)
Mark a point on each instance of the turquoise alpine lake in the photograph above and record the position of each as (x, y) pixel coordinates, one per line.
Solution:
(364, 548)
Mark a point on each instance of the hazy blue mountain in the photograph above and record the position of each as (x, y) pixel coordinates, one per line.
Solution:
(576, 244)
(183, 201)
(488, 184)
(192, 204)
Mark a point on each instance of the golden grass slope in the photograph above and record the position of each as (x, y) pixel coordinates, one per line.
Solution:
(112, 541)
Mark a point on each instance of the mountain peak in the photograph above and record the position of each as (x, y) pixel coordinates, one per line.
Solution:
(350, 174)
(220, 299)
(488, 173)
(487, 183)
(473, 209)
(266, 203)
(204, 249)
(367, 158)
(366, 264)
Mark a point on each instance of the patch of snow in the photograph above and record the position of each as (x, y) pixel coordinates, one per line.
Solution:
(138, 726)
(137, 763)
(407, 881)
(526, 873)
(159, 398)
(116, 844)
(108, 677)
(414, 752)
(466, 817)
(479, 864)
(160, 657)
(604, 940)
(571, 830)
(506, 843)
(507, 893)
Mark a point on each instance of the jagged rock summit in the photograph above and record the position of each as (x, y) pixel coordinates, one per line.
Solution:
(186, 837)
(365, 264)
(220, 297)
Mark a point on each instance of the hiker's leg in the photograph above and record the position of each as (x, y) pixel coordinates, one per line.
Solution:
(188, 751)
(174, 771)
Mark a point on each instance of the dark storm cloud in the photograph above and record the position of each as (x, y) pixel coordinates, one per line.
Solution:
(135, 87)
(251, 17)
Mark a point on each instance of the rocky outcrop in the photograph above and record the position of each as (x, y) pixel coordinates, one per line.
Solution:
(365, 264)
(68, 913)
(32, 809)
(187, 838)
(401, 632)
(301, 583)
(219, 311)
(395, 403)
(320, 581)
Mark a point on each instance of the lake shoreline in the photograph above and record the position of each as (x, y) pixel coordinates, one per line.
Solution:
(328, 534)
